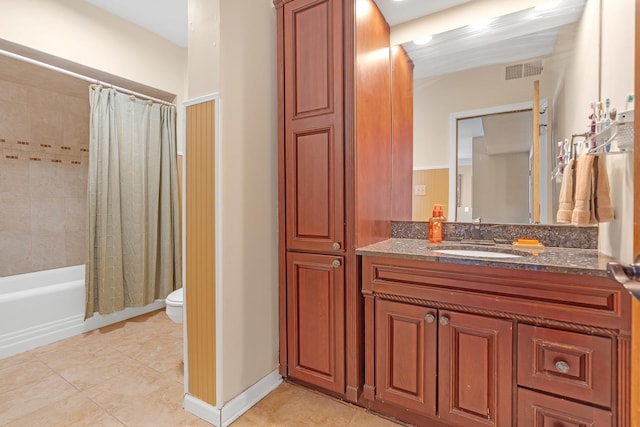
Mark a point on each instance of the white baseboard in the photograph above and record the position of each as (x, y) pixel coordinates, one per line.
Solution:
(236, 406)
(46, 333)
(36, 336)
(201, 409)
(101, 320)
(245, 400)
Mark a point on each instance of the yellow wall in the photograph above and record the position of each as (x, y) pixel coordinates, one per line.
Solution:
(200, 289)
(436, 182)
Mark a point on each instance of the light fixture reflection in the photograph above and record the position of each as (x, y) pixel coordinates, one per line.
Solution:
(423, 40)
(480, 25)
(546, 6)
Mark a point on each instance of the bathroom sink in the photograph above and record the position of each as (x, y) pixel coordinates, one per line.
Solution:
(479, 253)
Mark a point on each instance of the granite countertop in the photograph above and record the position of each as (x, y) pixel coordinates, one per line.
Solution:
(552, 259)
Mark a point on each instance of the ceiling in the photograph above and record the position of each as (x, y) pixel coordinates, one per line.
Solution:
(516, 36)
(503, 133)
(166, 18)
(397, 12)
(506, 40)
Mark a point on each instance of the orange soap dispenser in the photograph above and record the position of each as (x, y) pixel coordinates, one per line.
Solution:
(435, 226)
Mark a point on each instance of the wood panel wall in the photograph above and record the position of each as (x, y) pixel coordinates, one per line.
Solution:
(372, 125)
(402, 133)
(437, 191)
(180, 181)
(200, 251)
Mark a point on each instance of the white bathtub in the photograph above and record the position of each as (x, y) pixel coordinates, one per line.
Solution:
(46, 306)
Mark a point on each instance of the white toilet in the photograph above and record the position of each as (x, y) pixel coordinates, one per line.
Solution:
(175, 302)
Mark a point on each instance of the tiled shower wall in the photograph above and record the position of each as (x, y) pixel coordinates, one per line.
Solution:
(44, 142)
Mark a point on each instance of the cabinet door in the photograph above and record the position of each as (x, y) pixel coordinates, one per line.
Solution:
(314, 141)
(541, 410)
(405, 351)
(475, 370)
(315, 320)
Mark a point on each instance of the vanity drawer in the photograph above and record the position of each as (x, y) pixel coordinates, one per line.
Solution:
(541, 410)
(566, 363)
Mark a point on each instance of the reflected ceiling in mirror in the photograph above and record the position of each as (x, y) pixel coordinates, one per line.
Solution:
(398, 12)
(517, 36)
(476, 33)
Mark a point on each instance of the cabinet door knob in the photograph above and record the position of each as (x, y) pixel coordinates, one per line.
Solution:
(562, 366)
(430, 318)
(336, 263)
(336, 246)
(444, 320)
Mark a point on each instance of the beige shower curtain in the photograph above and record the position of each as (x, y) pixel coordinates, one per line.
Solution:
(133, 234)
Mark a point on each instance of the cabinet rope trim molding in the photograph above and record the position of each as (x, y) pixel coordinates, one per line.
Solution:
(539, 321)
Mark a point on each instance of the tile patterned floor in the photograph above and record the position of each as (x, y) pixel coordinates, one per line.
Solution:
(131, 374)
(291, 405)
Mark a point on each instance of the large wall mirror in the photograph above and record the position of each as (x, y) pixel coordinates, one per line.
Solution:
(474, 92)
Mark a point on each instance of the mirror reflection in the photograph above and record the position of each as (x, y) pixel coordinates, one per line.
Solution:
(479, 64)
(493, 166)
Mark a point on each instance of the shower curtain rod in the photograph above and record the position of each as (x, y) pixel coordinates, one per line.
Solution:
(82, 77)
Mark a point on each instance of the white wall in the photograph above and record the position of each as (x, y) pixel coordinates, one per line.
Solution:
(437, 97)
(499, 200)
(616, 81)
(250, 197)
(616, 238)
(204, 48)
(232, 51)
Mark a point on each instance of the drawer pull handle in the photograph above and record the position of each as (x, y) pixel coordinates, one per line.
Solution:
(562, 367)
(430, 318)
(444, 320)
(336, 246)
(336, 263)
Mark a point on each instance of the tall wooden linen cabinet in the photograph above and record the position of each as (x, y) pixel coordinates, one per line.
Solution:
(336, 176)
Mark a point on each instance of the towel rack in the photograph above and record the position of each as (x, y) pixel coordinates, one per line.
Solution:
(573, 152)
(620, 131)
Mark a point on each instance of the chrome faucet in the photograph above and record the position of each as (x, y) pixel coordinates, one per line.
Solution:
(481, 235)
(476, 235)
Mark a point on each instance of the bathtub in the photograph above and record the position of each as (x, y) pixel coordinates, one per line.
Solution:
(46, 306)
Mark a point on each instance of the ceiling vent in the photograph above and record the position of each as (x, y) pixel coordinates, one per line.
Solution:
(519, 71)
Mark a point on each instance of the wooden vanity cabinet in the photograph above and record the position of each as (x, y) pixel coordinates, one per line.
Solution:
(334, 180)
(313, 131)
(474, 369)
(459, 345)
(469, 355)
(406, 354)
(316, 319)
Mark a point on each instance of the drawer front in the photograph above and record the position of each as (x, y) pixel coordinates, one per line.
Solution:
(541, 410)
(569, 364)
